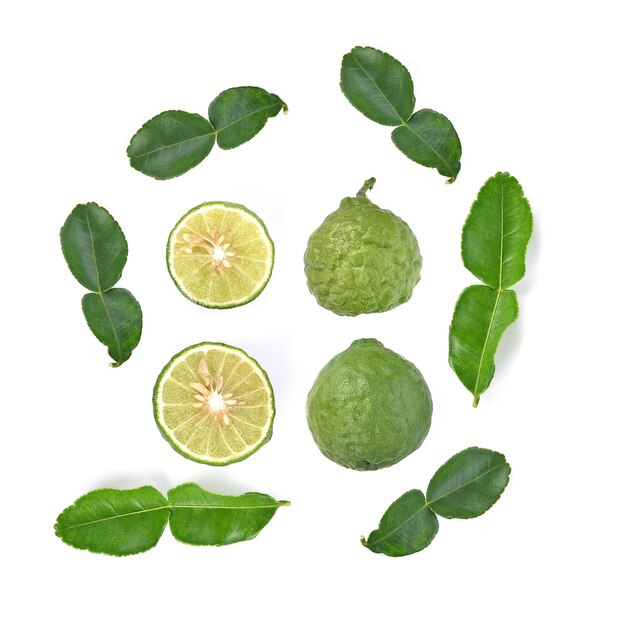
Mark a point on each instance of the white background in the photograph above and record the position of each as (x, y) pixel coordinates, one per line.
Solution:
(532, 88)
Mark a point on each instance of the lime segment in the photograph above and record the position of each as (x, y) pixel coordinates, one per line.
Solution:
(214, 404)
(220, 255)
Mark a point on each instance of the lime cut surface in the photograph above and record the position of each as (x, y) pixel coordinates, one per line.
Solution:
(220, 255)
(214, 404)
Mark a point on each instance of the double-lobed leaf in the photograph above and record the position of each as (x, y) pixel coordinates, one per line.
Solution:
(465, 486)
(95, 250)
(381, 88)
(175, 141)
(120, 522)
(494, 242)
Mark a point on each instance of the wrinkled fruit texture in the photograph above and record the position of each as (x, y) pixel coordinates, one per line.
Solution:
(362, 260)
(369, 407)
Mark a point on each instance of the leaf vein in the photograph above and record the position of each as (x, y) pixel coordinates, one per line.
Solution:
(484, 349)
(170, 507)
(243, 117)
(115, 335)
(187, 140)
(93, 251)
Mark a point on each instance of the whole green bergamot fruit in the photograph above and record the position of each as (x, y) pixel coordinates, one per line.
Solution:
(362, 259)
(369, 407)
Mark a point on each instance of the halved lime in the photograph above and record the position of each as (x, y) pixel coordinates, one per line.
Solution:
(214, 404)
(220, 255)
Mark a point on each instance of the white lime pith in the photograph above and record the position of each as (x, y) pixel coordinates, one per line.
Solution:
(214, 404)
(220, 255)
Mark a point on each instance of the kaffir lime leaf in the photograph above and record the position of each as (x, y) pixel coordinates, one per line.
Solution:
(220, 255)
(214, 404)
(369, 407)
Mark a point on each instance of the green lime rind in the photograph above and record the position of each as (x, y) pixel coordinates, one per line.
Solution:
(362, 259)
(369, 407)
(195, 457)
(212, 305)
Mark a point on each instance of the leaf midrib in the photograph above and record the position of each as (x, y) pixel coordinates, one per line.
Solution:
(119, 357)
(404, 123)
(187, 140)
(99, 292)
(170, 507)
(484, 349)
(400, 526)
(246, 116)
(215, 132)
(495, 306)
(501, 233)
(93, 251)
(468, 482)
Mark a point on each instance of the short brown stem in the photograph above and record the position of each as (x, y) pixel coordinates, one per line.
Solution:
(367, 185)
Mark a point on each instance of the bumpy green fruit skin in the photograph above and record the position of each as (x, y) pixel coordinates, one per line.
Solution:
(369, 407)
(362, 259)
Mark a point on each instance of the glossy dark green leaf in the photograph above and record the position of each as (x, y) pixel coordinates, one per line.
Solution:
(407, 526)
(381, 88)
(94, 247)
(495, 238)
(429, 139)
(377, 85)
(171, 144)
(113, 521)
(122, 522)
(480, 318)
(240, 113)
(497, 231)
(115, 318)
(203, 518)
(468, 484)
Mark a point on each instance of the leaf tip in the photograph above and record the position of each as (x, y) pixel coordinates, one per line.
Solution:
(475, 401)
(364, 542)
(284, 503)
